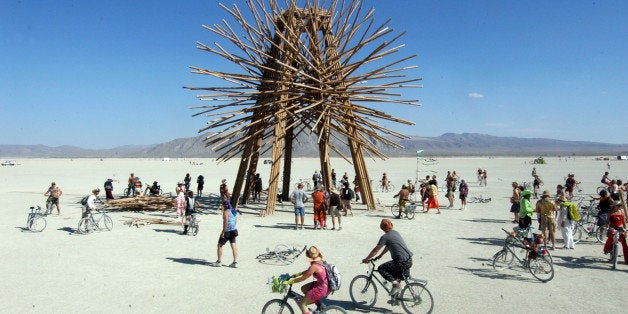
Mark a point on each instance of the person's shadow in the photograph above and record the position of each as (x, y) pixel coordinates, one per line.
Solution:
(188, 261)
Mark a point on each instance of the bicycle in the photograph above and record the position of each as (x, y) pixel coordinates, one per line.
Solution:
(148, 192)
(89, 223)
(409, 210)
(36, 221)
(616, 233)
(307, 185)
(193, 225)
(382, 189)
(414, 297)
(282, 306)
(282, 253)
(535, 259)
(589, 228)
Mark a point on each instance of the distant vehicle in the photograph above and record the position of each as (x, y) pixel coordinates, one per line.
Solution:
(8, 163)
(268, 162)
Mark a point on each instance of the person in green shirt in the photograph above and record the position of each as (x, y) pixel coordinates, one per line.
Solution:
(525, 210)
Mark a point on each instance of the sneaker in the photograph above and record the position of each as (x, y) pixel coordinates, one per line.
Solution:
(217, 264)
(234, 265)
(295, 227)
(394, 291)
(333, 228)
(301, 227)
(339, 228)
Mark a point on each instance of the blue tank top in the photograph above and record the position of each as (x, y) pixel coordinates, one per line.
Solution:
(231, 224)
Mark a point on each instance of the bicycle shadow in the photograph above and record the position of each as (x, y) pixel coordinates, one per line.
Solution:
(352, 307)
(168, 230)
(487, 220)
(68, 230)
(494, 274)
(588, 262)
(189, 261)
(485, 241)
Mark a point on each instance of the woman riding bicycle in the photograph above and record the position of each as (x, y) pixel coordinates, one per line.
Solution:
(401, 263)
(316, 290)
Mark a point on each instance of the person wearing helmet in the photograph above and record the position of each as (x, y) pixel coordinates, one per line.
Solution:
(525, 209)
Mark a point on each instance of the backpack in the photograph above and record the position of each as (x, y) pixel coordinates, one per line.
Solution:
(573, 213)
(84, 200)
(333, 276)
(346, 195)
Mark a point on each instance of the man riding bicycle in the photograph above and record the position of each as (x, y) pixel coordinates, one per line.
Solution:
(401, 263)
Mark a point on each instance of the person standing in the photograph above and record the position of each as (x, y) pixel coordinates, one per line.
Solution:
(384, 182)
(131, 185)
(547, 209)
(318, 198)
(90, 206)
(525, 210)
(404, 195)
(566, 225)
(187, 181)
(616, 222)
(54, 193)
(401, 261)
(333, 179)
(536, 185)
(229, 233)
(257, 189)
(570, 184)
(463, 193)
(515, 200)
(334, 209)
(109, 188)
(346, 195)
(484, 177)
(200, 183)
(432, 198)
(190, 205)
(180, 199)
(298, 198)
(224, 191)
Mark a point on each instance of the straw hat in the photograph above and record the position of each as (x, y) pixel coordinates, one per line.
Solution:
(546, 193)
(313, 254)
(562, 198)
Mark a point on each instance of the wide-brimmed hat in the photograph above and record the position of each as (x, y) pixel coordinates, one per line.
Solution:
(546, 193)
(313, 254)
(562, 198)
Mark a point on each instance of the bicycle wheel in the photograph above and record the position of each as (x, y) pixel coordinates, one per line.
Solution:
(37, 224)
(193, 228)
(391, 187)
(332, 309)
(614, 255)
(473, 199)
(410, 209)
(577, 234)
(277, 306)
(415, 298)
(83, 226)
(28, 220)
(107, 221)
(541, 268)
(503, 259)
(363, 291)
(394, 209)
(285, 254)
(600, 235)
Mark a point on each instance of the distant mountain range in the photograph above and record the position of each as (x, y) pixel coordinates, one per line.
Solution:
(449, 144)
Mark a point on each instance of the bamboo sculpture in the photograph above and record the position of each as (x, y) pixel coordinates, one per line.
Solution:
(311, 69)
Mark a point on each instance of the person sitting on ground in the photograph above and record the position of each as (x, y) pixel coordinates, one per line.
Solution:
(155, 189)
(401, 262)
(316, 290)
(404, 196)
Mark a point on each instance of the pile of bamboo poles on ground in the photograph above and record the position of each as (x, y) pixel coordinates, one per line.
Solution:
(141, 203)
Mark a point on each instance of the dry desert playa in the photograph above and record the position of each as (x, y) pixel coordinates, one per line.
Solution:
(154, 269)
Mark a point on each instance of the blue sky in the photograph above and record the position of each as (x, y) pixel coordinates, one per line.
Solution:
(100, 74)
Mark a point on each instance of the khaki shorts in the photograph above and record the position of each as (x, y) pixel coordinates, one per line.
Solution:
(334, 212)
(346, 202)
(548, 224)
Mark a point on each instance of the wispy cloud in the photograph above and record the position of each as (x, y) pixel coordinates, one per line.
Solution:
(475, 95)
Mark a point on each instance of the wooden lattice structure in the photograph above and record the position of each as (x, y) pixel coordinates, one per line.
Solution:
(303, 68)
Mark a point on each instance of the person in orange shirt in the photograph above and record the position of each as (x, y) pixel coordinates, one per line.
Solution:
(318, 198)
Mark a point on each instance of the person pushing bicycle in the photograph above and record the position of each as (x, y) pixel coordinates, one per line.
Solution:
(401, 262)
(90, 203)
